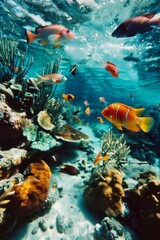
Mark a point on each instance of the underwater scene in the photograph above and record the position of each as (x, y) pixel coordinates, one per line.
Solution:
(80, 120)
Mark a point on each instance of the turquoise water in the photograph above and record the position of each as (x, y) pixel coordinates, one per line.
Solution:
(137, 59)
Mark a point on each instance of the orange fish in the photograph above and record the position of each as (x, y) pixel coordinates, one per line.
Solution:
(50, 79)
(67, 97)
(125, 116)
(99, 159)
(100, 120)
(111, 68)
(55, 33)
(87, 111)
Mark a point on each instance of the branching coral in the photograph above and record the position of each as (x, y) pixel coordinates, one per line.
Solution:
(116, 151)
(105, 194)
(13, 62)
(6, 187)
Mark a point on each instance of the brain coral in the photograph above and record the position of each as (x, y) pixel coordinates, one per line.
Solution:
(30, 195)
(105, 195)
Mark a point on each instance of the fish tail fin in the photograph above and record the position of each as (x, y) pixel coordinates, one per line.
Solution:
(30, 36)
(146, 124)
(40, 78)
(104, 64)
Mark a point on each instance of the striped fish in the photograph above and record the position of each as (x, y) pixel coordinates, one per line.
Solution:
(121, 115)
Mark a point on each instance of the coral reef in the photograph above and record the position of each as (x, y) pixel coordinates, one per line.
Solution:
(115, 150)
(144, 202)
(6, 190)
(110, 228)
(10, 125)
(105, 194)
(30, 194)
(9, 160)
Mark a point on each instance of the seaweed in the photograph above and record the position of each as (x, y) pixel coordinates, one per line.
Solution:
(13, 62)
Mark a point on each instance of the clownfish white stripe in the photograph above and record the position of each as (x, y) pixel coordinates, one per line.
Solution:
(126, 116)
(117, 111)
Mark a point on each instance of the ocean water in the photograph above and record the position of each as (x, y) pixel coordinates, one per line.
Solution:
(137, 59)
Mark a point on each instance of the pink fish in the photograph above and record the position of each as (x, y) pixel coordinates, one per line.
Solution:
(55, 34)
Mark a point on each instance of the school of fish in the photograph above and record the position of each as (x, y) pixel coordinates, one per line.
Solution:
(120, 115)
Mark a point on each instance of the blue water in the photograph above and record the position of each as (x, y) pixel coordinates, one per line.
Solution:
(92, 22)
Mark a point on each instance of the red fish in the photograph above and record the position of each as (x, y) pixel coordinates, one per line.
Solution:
(139, 24)
(125, 116)
(111, 68)
(55, 33)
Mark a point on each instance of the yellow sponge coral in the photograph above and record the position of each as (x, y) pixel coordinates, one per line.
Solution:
(105, 195)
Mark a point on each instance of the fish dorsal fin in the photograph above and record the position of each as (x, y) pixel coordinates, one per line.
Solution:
(39, 29)
(138, 111)
(111, 64)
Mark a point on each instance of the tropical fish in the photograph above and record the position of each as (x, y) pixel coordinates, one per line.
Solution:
(51, 78)
(77, 111)
(110, 67)
(86, 103)
(139, 24)
(73, 70)
(67, 97)
(77, 119)
(55, 34)
(131, 58)
(102, 100)
(69, 169)
(100, 120)
(87, 111)
(125, 116)
(99, 159)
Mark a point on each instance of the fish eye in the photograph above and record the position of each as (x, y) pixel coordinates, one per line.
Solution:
(68, 31)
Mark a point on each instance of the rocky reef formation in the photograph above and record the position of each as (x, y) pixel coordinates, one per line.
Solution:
(32, 125)
(105, 194)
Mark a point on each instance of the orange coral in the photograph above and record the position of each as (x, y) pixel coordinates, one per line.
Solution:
(105, 195)
(30, 195)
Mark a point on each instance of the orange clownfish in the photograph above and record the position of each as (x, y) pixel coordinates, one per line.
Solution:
(130, 118)
(99, 159)
(100, 120)
(54, 33)
(111, 68)
(67, 97)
